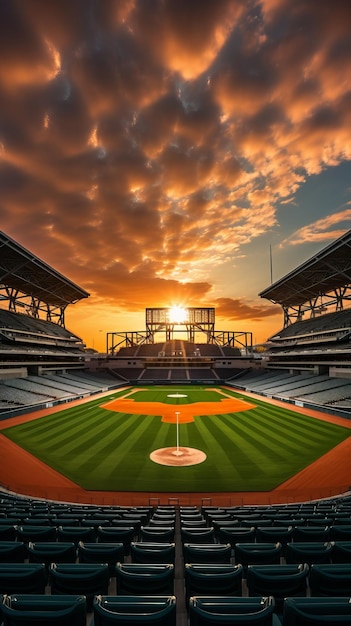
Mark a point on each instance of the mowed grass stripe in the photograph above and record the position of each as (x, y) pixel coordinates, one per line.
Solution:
(254, 433)
(301, 428)
(238, 442)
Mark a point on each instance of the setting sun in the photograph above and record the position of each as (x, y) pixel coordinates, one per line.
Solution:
(178, 315)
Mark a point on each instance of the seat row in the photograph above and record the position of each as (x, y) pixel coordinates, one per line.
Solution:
(214, 611)
(85, 552)
(88, 579)
(124, 533)
(71, 610)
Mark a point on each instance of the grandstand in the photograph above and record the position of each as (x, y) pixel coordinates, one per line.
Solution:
(309, 359)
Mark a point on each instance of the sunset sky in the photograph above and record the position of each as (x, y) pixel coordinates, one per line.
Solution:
(153, 151)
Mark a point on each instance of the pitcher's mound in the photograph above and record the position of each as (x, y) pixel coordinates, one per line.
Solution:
(180, 457)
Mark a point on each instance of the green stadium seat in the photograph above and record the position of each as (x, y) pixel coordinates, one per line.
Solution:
(283, 534)
(111, 534)
(51, 552)
(144, 579)
(207, 552)
(110, 553)
(258, 553)
(311, 533)
(340, 532)
(236, 534)
(22, 578)
(198, 535)
(279, 581)
(13, 552)
(211, 579)
(330, 579)
(163, 534)
(135, 610)
(36, 533)
(341, 552)
(75, 534)
(152, 552)
(239, 611)
(316, 611)
(309, 552)
(44, 610)
(8, 532)
(79, 578)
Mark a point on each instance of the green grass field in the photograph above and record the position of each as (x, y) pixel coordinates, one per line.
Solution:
(251, 450)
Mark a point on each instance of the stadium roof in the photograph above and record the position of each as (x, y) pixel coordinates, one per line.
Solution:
(22, 270)
(326, 271)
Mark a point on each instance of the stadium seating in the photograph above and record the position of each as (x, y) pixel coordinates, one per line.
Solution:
(144, 579)
(258, 553)
(309, 552)
(330, 579)
(22, 578)
(110, 553)
(212, 579)
(316, 611)
(207, 552)
(279, 581)
(51, 552)
(12, 552)
(216, 610)
(44, 610)
(79, 578)
(135, 610)
(152, 552)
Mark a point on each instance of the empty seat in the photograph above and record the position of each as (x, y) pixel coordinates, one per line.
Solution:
(111, 534)
(197, 535)
(152, 552)
(144, 579)
(311, 533)
(8, 532)
(46, 610)
(215, 610)
(309, 552)
(207, 552)
(135, 610)
(236, 534)
(36, 533)
(22, 578)
(51, 552)
(110, 553)
(257, 553)
(330, 579)
(341, 552)
(278, 581)
(316, 611)
(75, 534)
(217, 579)
(283, 534)
(340, 532)
(80, 578)
(163, 534)
(12, 552)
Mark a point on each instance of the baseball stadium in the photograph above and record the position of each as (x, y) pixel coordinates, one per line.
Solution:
(179, 427)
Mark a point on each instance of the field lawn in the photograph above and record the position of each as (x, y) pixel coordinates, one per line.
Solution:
(249, 450)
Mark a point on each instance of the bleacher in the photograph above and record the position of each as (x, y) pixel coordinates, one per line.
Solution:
(205, 564)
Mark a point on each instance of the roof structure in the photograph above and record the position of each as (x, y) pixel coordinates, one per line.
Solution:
(21, 272)
(327, 273)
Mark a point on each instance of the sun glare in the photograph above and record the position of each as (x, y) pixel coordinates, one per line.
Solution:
(177, 314)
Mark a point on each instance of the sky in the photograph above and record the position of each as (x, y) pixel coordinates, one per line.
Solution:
(160, 152)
